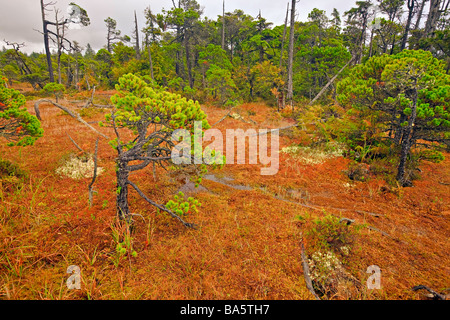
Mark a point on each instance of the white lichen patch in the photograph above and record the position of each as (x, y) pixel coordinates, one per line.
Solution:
(78, 168)
(323, 266)
(236, 116)
(317, 155)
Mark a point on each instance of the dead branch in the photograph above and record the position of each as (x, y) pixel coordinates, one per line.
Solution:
(91, 190)
(347, 221)
(161, 207)
(433, 294)
(380, 231)
(373, 214)
(330, 82)
(306, 271)
(76, 145)
(223, 118)
(73, 114)
(91, 102)
(91, 99)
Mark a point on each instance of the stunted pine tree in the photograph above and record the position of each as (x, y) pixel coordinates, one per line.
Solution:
(151, 115)
(406, 95)
(112, 34)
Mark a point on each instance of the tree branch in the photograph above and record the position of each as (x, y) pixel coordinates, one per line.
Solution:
(161, 207)
(76, 145)
(330, 82)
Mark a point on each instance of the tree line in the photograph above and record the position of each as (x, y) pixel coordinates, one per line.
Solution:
(236, 57)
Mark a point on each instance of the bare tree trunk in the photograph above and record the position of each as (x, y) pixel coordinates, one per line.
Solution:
(150, 60)
(90, 187)
(59, 44)
(284, 36)
(108, 40)
(371, 42)
(407, 140)
(290, 85)
(223, 26)
(136, 33)
(46, 45)
(188, 61)
(122, 174)
(433, 17)
(282, 97)
(408, 23)
(362, 39)
(393, 44)
(77, 70)
(419, 16)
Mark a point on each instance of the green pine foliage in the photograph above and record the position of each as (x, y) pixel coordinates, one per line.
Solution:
(139, 105)
(55, 89)
(17, 125)
(403, 97)
(384, 87)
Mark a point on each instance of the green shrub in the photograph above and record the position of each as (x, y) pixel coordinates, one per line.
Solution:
(330, 233)
(9, 169)
(54, 88)
(17, 125)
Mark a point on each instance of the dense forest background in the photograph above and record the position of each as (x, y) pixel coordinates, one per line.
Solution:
(235, 58)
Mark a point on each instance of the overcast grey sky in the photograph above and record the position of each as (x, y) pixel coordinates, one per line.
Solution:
(18, 18)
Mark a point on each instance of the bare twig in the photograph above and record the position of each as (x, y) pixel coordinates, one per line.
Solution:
(91, 102)
(76, 145)
(91, 99)
(223, 118)
(161, 207)
(347, 221)
(91, 190)
(380, 231)
(275, 130)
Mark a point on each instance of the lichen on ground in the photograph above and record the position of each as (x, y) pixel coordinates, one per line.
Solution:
(315, 155)
(78, 167)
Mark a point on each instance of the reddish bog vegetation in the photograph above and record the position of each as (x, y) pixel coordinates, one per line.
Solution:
(248, 241)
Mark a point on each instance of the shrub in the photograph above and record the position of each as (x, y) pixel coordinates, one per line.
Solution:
(18, 126)
(9, 169)
(330, 233)
(54, 88)
(358, 172)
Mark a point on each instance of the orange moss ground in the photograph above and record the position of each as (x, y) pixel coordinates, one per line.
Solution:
(247, 245)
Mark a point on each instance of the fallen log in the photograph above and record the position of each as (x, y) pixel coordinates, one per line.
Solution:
(305, 265)
(433, 294)
(330, 82)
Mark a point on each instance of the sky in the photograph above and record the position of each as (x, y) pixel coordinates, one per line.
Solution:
(20, 20)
